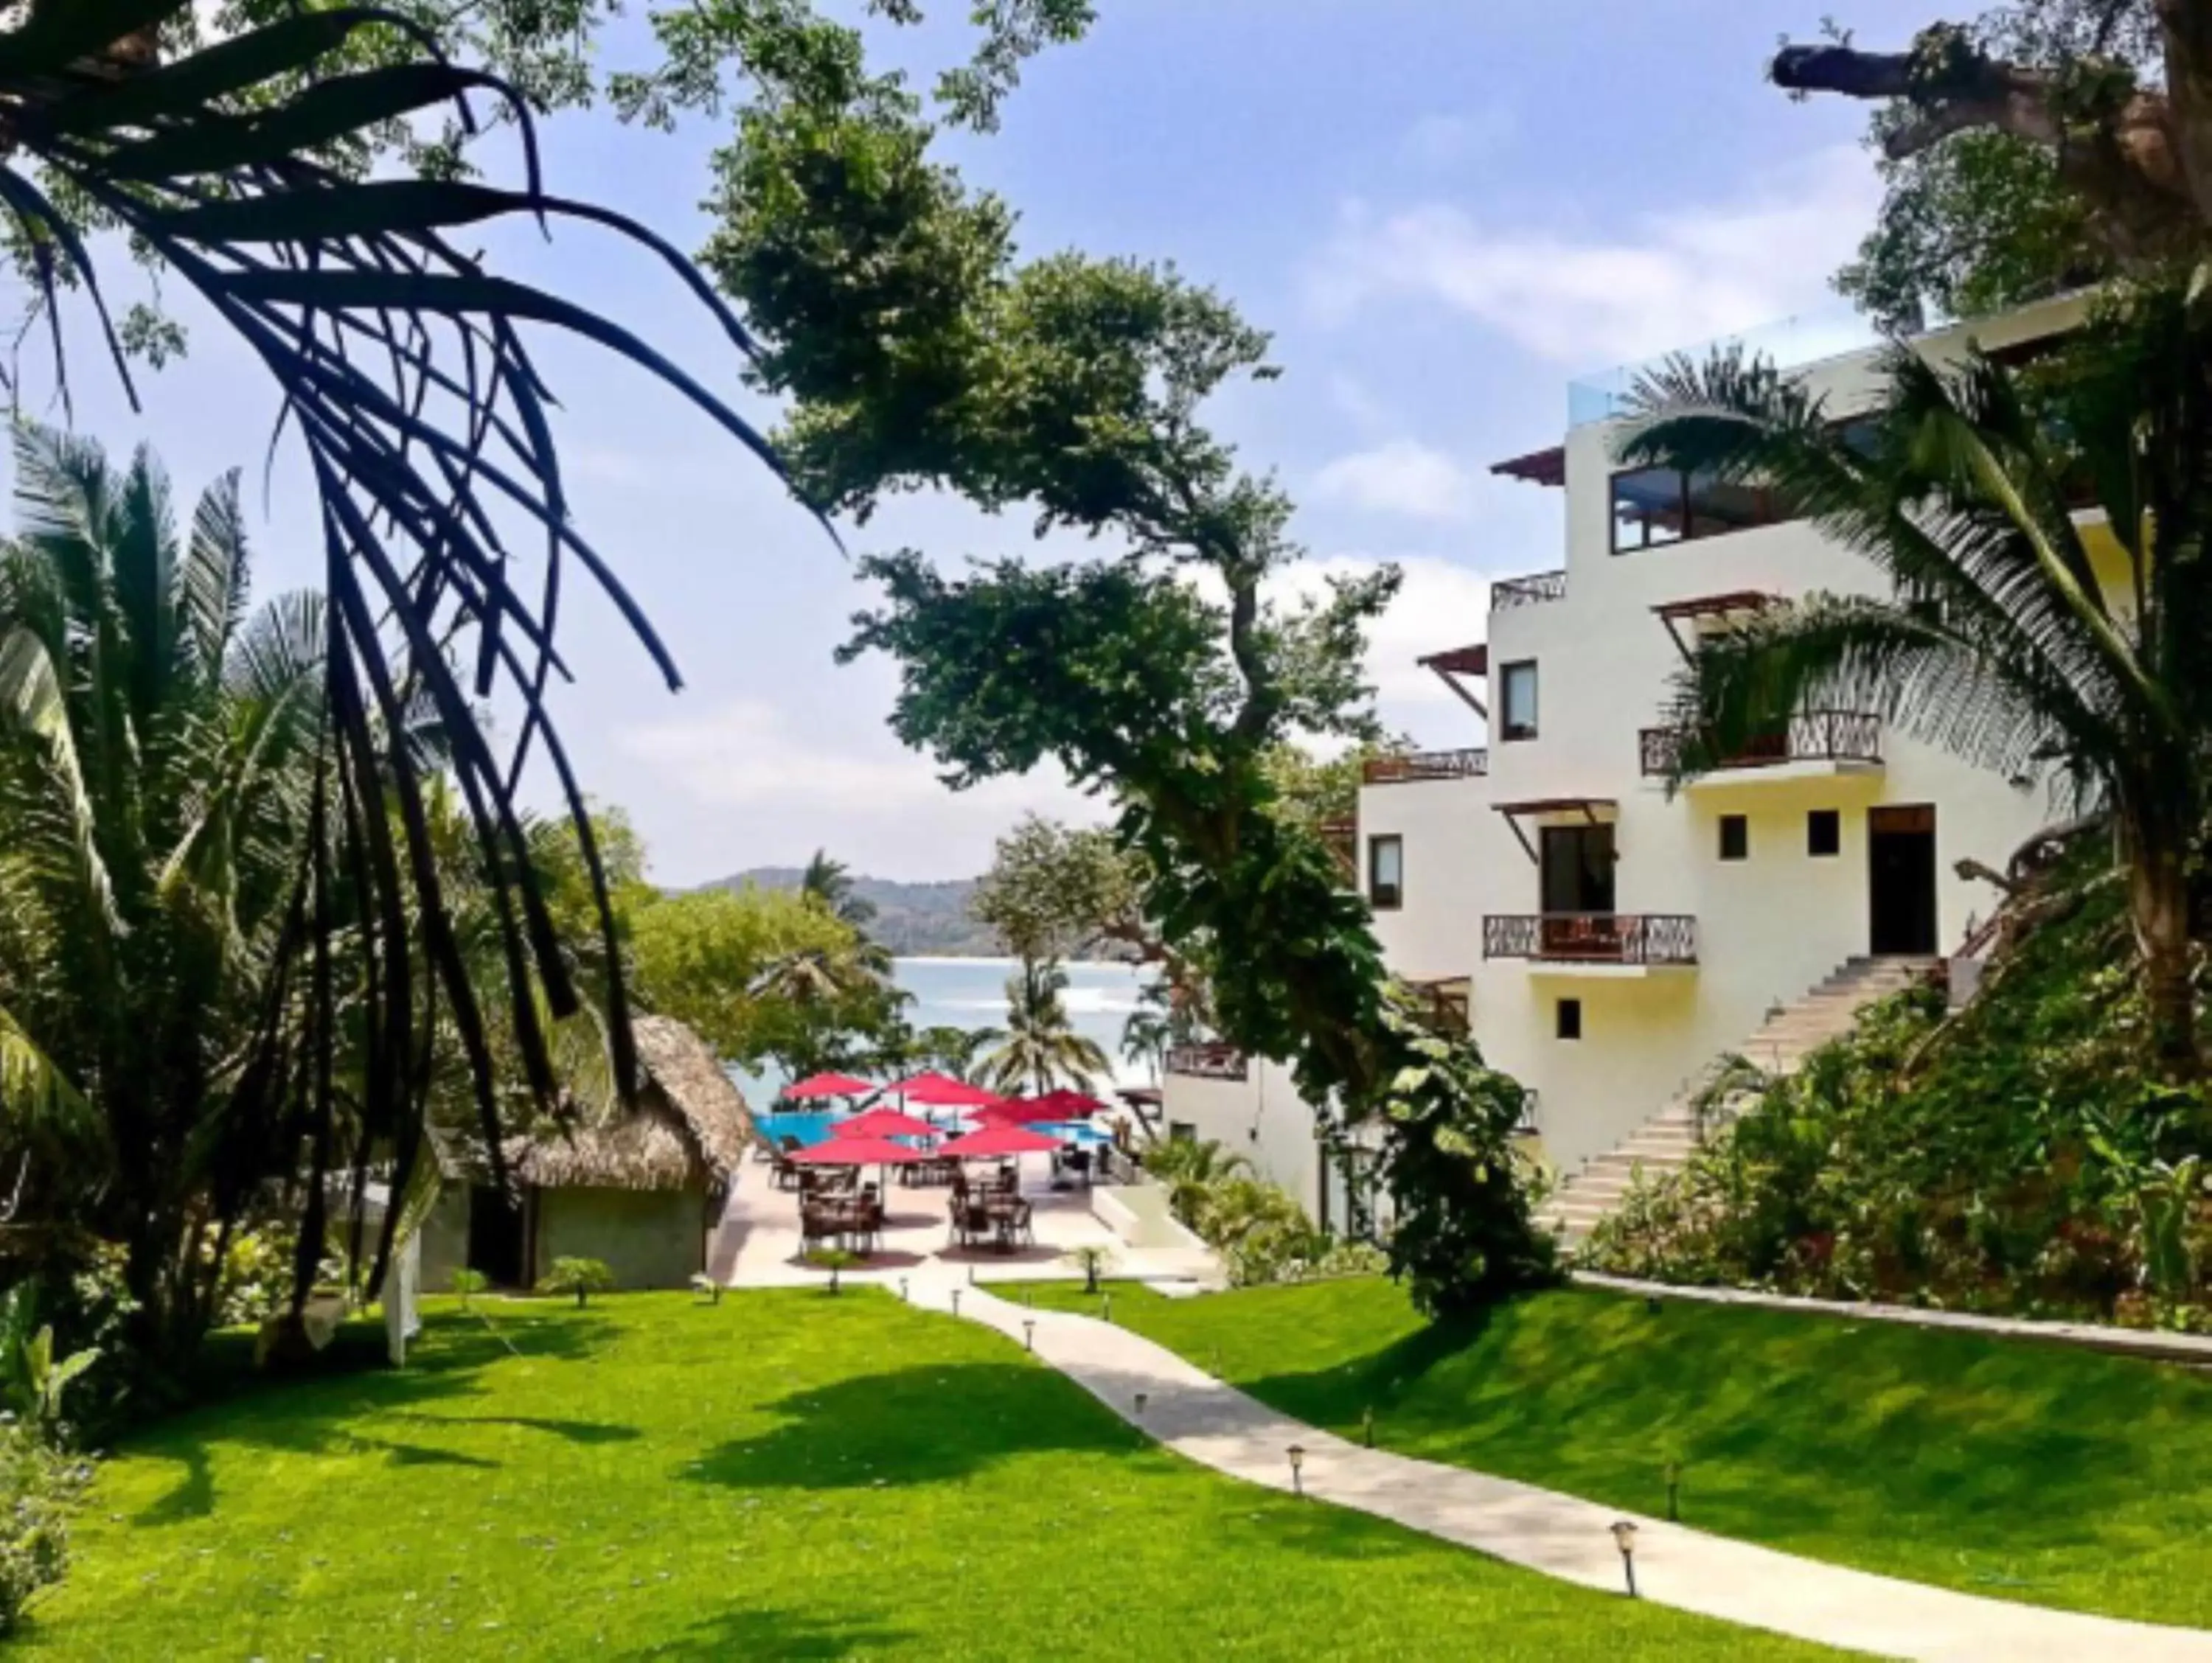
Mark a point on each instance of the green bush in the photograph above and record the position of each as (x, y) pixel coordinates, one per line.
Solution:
(39, 1487)
(580, 1277)
(2017, 1157)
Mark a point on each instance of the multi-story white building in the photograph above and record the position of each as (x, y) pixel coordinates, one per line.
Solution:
(1609, 938)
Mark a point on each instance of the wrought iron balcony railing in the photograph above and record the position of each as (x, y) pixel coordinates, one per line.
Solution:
(1531, 591)
(1816, 735)
(1209, 1062)
(1646, 938)
(1425, 765)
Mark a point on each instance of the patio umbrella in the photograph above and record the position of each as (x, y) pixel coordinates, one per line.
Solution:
(997, 1140)
(942, 1091)
(826, 1085)
(883, 1123)
(1019, 1112)
(1071, 1105)
(858, 1152)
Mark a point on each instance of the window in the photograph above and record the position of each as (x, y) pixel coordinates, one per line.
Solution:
(1577, 868)
(1824, 832)
(1182, 1131)
(1653, 508)
(1516, 705)
(1386, 873)
(1736, 837)
(1567, 1019)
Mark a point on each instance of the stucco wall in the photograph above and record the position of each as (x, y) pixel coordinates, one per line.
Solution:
(648, 1238)
(1262, 1118)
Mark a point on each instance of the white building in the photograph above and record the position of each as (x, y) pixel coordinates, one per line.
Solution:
(1609, 939)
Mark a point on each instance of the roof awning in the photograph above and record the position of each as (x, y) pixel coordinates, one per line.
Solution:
(1472, 663)
(1736, 602)
(1589, 810)
(1538, 467)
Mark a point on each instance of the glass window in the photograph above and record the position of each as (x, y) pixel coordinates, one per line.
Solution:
(1569, 1021)
(1516, 705)
(1577, 869)
(1386, 872)
(1736, 837)
(1717, 509)
(1824, 832)
(1649, 509)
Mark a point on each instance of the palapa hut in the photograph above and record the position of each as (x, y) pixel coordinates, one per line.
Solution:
(642, 1192)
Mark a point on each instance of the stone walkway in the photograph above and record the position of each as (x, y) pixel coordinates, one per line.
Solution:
(1217, 1426)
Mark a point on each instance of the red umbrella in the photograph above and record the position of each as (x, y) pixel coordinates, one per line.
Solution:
(827, 1085)
(1021, 1111)
(1070, 1105)
(883, 1123)
(857, 1152)
(942, 1091)
(997, 1140)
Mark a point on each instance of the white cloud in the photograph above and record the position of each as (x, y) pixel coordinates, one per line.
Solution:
(1403, 476)
(1672, 278)
(880, 808)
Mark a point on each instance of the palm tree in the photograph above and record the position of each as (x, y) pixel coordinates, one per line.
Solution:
(159, 790)
(954, 1050)
(830, 881)
(2001, 641)
(1193, 1171)
(1041, 1049)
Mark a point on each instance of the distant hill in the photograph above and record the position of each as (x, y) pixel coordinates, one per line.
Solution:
(914, 920)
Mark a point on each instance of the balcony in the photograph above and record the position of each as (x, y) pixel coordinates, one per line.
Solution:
(1594, 943)
(1532, 591)
(1816, 743)
(1425, 765)
(1210, 1062)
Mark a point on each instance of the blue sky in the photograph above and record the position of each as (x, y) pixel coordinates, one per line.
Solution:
(1445, 209)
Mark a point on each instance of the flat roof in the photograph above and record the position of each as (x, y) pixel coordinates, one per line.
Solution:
(1461, 660)
(1546, 467)
(1708, 606)
(1559, 805)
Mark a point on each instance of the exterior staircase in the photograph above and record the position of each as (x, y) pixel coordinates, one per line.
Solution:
(1665, 1142)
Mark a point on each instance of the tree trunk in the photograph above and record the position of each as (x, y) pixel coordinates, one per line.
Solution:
(2158, 901)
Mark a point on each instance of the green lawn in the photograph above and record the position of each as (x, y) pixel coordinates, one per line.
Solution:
(785, 1475)
(2025, 1471)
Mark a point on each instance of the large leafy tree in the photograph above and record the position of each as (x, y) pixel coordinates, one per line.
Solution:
(918, 351)
(301, 169)
(159, 779)
(2047, 143)
(2018, 635)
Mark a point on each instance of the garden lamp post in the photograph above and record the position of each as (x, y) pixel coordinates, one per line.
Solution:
(1623, 1538)
(1029, 1336)
(956, 1301)
(1142, 1399)
(1298, 1469)
(1674, 1491)
(1106, 1306)
(1367, 1426)
(904, 1296)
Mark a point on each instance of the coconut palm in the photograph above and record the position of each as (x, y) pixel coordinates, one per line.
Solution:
(830, 881)
(158, 791)
(2002, 641)
(1042, 1050)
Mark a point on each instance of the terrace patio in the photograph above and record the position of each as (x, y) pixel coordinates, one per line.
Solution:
(757, 1243)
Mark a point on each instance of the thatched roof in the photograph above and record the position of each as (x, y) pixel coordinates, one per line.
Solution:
(690, 1130)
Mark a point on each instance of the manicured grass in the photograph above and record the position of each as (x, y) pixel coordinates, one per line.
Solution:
(782, 1475)
(2020, 1470)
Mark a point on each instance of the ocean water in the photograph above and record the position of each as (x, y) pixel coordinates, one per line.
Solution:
(971, 993)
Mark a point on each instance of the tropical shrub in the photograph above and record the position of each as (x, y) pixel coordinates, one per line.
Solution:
(580, 1277)
(1094, 1262)
(40, 1487)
